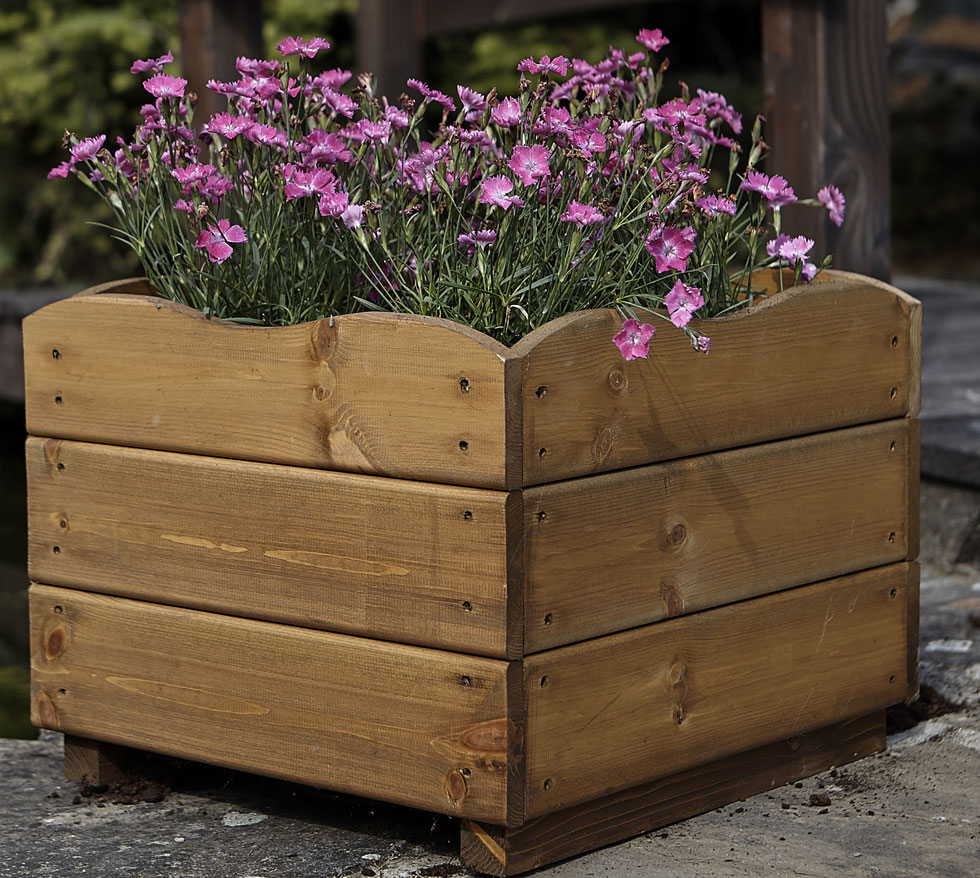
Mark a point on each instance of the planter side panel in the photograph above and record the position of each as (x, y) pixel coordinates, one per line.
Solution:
(389, 394)
(418, 727)
(686, 691)
(690, 534)
(386, 558)
(832, 355)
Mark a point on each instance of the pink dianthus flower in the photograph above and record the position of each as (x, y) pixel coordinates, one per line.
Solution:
(832, 198)
(496, 191)
(530, 163)
(671, 247)
(217, 240)
(154, 64)
(507, 113)
(299, 46)
(774, 189)
(165, 86)
(682, 301)
(633, 340)
(582, 214)
(547, 64)
(87, 149)
(654, 40)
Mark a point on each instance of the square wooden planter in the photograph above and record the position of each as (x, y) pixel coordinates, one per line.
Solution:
(563, 597)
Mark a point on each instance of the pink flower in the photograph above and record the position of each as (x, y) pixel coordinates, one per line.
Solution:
(322, 147)
(334, 79)
(507, 113)
(299, 184)
(682, 301)
(700, 343)
(795, 249)
(482, 239)
(340, 103)
(299, 46)
(774, 189)
(530, 163)
(353, 216)
(654, 40)
(154, 64)
(772, 248)
(431, 94)
(671, 247)
(252, 67)
(228, 125)
(546, 65)
(589, 138)
(582, 214)
(473, 102)
(496, 190)
(714, 205)
(217, 240)
(832, 198)
(554, 120)
(87, 149)
(808, 272)
(61, 170)
(164, 86)
(333, 203)
(633, 340)
(266, 135)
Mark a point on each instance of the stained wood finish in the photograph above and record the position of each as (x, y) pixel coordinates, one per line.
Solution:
(97, 763)
(413, 726)
(622, 549)
(809, 359)
(386, 558)
(496, 850)
(369, 393)
(829, 57)
(669, 696)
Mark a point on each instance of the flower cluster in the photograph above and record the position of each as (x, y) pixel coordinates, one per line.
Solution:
(311, 195)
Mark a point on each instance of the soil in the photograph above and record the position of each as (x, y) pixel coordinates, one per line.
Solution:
(928, 705)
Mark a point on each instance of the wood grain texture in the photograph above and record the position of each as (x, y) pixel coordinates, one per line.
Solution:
(371, 393)
(496, 850)
(830, 355)
(669, 696)
(618, 550)
(386, 558)
(912, 634)
(414, 726)
(826, 106)
(96, 763)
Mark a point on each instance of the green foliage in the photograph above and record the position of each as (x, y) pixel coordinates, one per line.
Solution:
(64, 65)
(15, 696)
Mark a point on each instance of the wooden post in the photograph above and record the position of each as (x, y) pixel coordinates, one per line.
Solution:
(825, 103)
(389, 42)
(213, 33)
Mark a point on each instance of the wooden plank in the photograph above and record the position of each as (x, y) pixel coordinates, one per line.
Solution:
(669, 696)
(813, 358)
(389, 42)
(414, 726)
(826, 105)
(689, 534)
(370, 392)
(386, 558)
(97, 763)
(497, 850)
(912, 634)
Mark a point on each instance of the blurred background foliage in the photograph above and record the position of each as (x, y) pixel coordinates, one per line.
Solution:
(64, 65)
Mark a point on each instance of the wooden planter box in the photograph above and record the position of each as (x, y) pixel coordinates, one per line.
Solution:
(563, 597)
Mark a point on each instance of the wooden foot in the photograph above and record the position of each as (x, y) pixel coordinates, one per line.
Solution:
(97, 763)
(496, 850)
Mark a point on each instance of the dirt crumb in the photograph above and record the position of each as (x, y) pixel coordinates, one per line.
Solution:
(928, 705)
(819, 799)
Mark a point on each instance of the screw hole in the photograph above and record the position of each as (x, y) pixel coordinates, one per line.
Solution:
(891, 679)
(547, 783)
(61, 467)
(894, 392)
(464, 446)
(893, 592)
(542, 391)
(547, 618)
(542, 452)
(58, 400)
(467, 607)
(59, 609)
(465, 772)
(544, 681)
(465, 681)
(891, 537)
(542, 515)
(56, 549)
(56, 354)
(894, 341)
(467, 515)
(891, 447)
(464, 385)
(62, 691)
(63, 523)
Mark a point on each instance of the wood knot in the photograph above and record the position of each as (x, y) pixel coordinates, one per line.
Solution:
(618, 382)
(673, 600)
(456, 787)
(44, 712)
(320, 393)
(52, 451)
(604, 442)
(323, 341)
(677, 536)
(55, 643)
